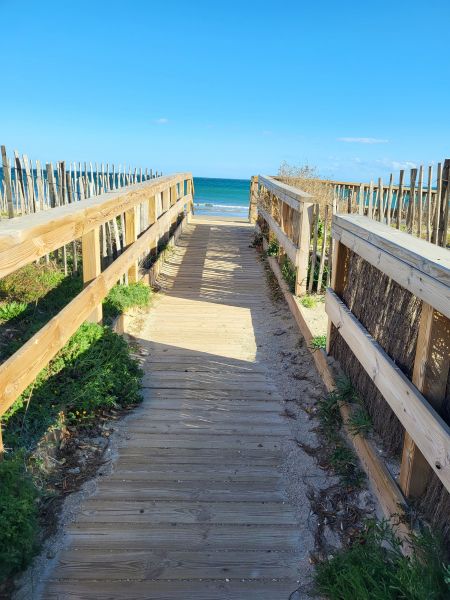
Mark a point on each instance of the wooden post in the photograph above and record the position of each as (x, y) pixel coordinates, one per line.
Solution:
(380, 200)
(7, 180)
(431, 368)
(419, 198)
(323, 250)
(253, 208)
(400, 198)
(429, 199)
(314, 251)
(90, 247)
(339, 270)
(443, 220)
(437, 208)
(389, 200)
(361, 200)
(304, 238)
(370, 210)
(131, 233)
(411, 214)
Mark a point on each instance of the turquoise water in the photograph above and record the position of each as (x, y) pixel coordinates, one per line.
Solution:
(221, 197)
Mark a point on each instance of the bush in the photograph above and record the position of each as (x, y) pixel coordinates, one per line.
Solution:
(30, 283)
(18, 516)
(122, 297)
(374, 568)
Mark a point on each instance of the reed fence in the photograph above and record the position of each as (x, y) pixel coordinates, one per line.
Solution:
(144, 214)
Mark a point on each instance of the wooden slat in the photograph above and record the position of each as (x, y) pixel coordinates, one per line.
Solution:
(288, 245)
(28, 238)
(416, 265)
(429, 432)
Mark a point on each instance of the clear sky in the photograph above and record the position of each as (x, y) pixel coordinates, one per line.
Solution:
(231, 89)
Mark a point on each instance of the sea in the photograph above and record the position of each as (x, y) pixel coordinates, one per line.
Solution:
(221, 197)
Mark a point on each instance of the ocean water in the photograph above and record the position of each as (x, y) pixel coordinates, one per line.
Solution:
(221, 197)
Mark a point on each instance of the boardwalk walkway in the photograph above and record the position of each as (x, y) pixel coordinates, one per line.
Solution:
(195, 507)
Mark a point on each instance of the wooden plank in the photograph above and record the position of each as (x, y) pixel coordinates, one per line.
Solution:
(143, 565)
(90, 250)
(416, 253)
(7, 181)
(403, 264)
(288, 245)
(302, 256)
(430, 433)
(287, 193)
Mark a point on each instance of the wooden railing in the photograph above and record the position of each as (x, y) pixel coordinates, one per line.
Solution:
(289, 213)
(424, 270)
(158, 204)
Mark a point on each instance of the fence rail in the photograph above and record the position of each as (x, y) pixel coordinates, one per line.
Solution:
(424, 270)
(26, 239)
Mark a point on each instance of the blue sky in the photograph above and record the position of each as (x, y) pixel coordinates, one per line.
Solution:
(228, 88)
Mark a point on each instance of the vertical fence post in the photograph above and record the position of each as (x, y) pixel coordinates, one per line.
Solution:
(339, 271)
(190, 209)
(90, 249)
(253, 208)
(430, 374)
(7, 180)
(304, 239)
(131, 233)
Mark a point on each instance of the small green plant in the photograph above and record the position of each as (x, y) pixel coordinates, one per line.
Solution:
(18, 516)
(274, 248)
(345, 464)
(359, 422)
(11, 310)
(329, 413)
(375, 568)
(318, 342)
(122, 297)
(288, 272)
(308, 302)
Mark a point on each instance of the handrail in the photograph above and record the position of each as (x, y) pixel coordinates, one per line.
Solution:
(23, 240)
(294, 233)
(424, 270)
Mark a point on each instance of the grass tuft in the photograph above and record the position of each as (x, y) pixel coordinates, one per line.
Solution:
(318, 342)
(122, 297)
(374, 568)
(308, 302)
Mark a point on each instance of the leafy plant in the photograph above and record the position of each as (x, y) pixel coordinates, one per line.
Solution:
(318, 342)
(18, 516)
(308, 301)
(288, 272)
(11, 310)
(30, 283)
(122, 297)
(375, 568)
(359, 422)
(274, 248)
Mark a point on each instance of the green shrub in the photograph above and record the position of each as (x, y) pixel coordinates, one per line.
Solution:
(274, 248)
(288, 272)
(318, 342)
(122, 297)
(11, 310)
(374, 568)
(18, 516)
(94, 371)
(30, 283)
(308, 302)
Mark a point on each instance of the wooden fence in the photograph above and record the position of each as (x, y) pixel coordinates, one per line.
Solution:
(424, 270)
(28, 188)
(289, 214)
(161, 202)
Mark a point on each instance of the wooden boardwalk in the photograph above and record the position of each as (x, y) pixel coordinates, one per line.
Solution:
(195, 507)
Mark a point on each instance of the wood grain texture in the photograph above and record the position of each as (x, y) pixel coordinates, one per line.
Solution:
(195, 506)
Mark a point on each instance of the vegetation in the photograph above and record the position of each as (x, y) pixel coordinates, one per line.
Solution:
(374, 568)
(93, 373)
(318, 342)
(341, 458)
(288, 272)
(122, 297)
(273, 248)
(18, 516)
(308, 301)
